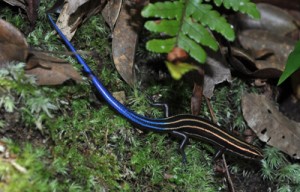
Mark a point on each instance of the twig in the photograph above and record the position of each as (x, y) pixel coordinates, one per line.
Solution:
(228, 178)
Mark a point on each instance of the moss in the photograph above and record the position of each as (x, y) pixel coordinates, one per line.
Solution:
(277, 169)
(30, 173)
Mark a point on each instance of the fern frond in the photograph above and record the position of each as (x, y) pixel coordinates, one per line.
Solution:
(164, 10)
(244, 6)
(212, 19)
(186, 24)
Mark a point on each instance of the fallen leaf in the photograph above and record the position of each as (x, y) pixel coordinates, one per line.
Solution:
(295, 4)
(51, 71)
(75, 12)
(270, 125)
(273, 19)
(245, 64)
(18, 3)
(125, 37)
(13, 45)
(255, 40)
(179, 69)
(36, 57)
(111, 12)
(215, 72)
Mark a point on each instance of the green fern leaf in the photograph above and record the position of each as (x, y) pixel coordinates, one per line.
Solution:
(292, 64)
(212, 19)
(179, 69)
(190, 46)
(244, 6)
(176, 20)
(164, 10)
(161, 45)
(169, 27)
(186, 24)
(199, 34)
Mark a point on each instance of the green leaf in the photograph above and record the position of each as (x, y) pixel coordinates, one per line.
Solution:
(292, 64)
(190, 46)
(161, 45)
(186, 23)
(164, 10)
(179, 69)
(199, 33)
(244, 6)
(213, 20)
(168, 27)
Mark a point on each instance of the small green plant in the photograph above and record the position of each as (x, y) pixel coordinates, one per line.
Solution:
(24, 170)
(292, 64)
(186, 23)
(277, 169)
(20, 89)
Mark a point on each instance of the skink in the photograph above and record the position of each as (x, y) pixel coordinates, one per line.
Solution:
(182, 125)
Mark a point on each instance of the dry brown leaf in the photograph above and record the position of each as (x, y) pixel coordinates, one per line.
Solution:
(18, 3)
(11, 52)
(269, 50)
(196, 99)
(255, 40)
(51, 71)
(48, 69)
(215, 72)
(125, 37)
(273, 19)
(75, 12)
(270, 125)
(38, 58)
(13, 45)
(246, 65)
(295, 4)
(111, 12)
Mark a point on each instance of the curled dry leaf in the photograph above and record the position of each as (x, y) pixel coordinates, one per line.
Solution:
(273, 19)
(269, 50)
(18, 3)
(246, 64)
(111, 12)
(51, 71)
(256, 40)
(13, 45)
(215, 72)
(125, 37)
(270, 125)
(76, 12)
